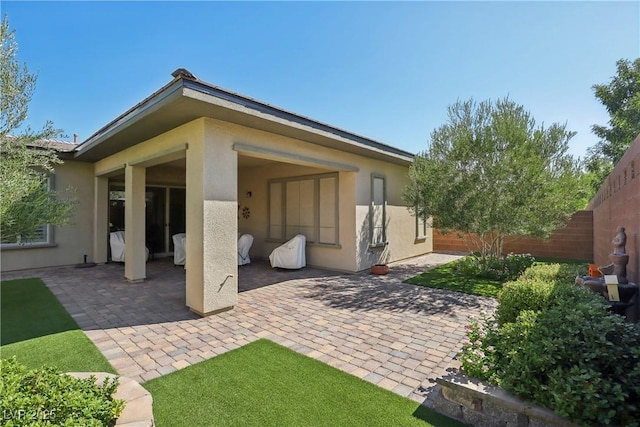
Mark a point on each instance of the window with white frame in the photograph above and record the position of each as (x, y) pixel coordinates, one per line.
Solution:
(378, 211)
(305, 205)
(42, 236)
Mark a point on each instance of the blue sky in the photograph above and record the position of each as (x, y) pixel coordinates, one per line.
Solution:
(385, 70)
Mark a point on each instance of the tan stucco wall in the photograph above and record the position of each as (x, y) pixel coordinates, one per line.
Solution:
(213, 197)
(255, 180)
(354, 200)
(401, 225)
(160, 175)
(72, 241)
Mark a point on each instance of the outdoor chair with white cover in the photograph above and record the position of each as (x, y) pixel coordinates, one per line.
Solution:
(244, 244)
(290, 255)
(116, 241)
(179, 251)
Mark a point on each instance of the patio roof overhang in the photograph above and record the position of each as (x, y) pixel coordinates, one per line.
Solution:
(186, 98)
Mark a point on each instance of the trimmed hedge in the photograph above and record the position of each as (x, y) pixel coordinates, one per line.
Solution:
(46, 397)
(533, 289)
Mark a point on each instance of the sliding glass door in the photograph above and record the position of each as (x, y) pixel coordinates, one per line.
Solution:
(164, 215)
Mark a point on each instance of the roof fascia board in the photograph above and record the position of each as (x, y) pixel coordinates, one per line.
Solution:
(257, 108)
(144, 108)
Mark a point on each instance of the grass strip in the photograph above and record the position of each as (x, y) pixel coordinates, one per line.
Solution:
(265, 384)
(37, 329)
(444, 277)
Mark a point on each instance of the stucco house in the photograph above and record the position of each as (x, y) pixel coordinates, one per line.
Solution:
(196, 158)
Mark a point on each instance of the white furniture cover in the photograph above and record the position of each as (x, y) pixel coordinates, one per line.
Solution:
(179, 251)
(290, 254)
(116, 241)
(244, 244)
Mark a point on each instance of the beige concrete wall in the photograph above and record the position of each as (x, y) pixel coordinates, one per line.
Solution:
(401, 225)
(160, 175)
(215, 139)
(72, 241)
(255, 179)
(354, 199)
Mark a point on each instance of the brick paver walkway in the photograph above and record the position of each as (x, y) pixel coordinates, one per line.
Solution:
(395, 335)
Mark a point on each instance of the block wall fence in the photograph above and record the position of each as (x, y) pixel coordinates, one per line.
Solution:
(617, 203)
(574, 241)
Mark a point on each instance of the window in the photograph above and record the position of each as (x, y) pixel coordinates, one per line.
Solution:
(421, 228)
(42, 236)
(378, 211)
(304, 205)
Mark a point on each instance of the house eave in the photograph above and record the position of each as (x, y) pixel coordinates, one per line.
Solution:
(183, 100)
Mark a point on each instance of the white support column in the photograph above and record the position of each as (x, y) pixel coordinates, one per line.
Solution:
(212, 216)
(135, 256)
(100, 219)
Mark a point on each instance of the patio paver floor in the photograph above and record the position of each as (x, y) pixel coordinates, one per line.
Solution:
(395, 335)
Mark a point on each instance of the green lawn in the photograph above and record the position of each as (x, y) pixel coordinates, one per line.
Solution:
(36, 328)
(444, 277)
(265, 384)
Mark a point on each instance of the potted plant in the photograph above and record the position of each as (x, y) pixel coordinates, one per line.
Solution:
(380, 267)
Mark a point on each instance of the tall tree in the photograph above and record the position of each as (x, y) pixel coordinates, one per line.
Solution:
(492, 172)
(621, 98)
(26, 160)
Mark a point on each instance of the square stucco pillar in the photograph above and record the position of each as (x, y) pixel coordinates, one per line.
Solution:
(100, 219)
(135, 256)
(212, 215)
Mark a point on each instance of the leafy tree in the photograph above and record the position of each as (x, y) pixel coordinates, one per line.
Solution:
(26, 159)
(492, 172)
(621, 98)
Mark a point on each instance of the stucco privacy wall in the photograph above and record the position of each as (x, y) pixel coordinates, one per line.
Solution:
(354, 199)
(71, 241)
(574, 241)
(617, 203)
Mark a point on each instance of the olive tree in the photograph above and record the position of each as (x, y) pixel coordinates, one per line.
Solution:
(621, 98)
(26, 161)
(490, 172)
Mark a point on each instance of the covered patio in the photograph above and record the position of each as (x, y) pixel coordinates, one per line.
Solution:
(395, 335)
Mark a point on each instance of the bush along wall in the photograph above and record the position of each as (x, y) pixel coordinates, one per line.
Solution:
(559, 346)
(45, 397)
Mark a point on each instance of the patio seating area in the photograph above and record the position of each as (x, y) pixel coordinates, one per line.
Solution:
(392, 334)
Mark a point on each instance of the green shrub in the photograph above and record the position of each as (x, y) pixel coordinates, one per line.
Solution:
(579, 360)
(570, 354)
(558, 273)
(478, 355)
(501, 269)
(535, 288)
(522, 294)
(47, 397)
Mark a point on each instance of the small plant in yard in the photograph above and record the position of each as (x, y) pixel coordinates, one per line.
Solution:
(45, 397)
(478, 354)
(494, 268)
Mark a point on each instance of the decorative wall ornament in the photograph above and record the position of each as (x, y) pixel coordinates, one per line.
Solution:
(246, 213)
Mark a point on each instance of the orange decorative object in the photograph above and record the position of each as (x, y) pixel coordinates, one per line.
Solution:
(380, 269)
(593, 270)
